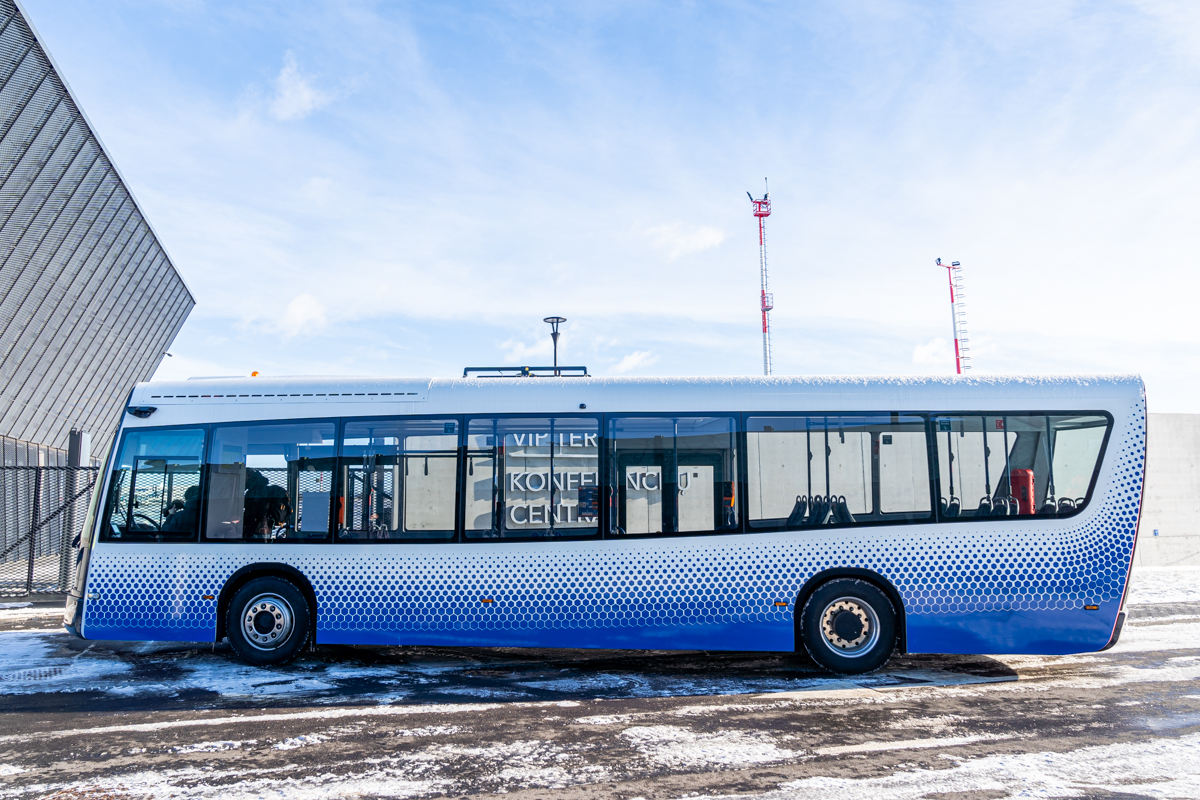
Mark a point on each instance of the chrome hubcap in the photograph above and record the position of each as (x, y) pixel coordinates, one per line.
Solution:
(267, 621)
(849, 627)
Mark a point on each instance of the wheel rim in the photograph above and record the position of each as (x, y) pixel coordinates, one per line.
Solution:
(849, 627)
(267, 622)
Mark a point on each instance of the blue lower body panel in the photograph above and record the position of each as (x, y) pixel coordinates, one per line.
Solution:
(1013, 632)
(765, 636)
(956, 584)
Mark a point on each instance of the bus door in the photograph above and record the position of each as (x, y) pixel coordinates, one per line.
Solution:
(661, 494)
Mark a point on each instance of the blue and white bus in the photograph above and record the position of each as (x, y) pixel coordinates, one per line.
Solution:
(848, 517)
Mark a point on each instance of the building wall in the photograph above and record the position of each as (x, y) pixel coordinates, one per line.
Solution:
(1169, 531)
(89, 299)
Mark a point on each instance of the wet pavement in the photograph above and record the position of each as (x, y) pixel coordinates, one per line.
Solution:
(111, 720)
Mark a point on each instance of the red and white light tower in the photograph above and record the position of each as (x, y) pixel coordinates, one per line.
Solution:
(762, 210)
(958, 315)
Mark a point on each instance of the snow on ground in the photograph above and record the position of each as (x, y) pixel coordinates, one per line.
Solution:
(44, 616)
(672, 747)
(1152, 585)
(1153, 768)
(31, 661)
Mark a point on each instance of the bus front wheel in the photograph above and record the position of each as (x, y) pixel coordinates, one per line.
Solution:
(268, 622)
(848, 626)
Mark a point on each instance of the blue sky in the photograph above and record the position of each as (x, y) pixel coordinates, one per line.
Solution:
(407, 189)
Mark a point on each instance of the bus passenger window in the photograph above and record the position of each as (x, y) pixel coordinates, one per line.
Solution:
(399, 479)
(532, 477)
(154, 494)
(808, 471)
(270, 483)
(995, 465)
(672, 475)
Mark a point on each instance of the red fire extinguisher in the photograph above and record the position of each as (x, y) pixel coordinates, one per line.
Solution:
(1021, 481)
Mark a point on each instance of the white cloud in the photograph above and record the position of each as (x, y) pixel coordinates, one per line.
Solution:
(639, 358)
(936, 354)
(517, 353)
(305, 314)
(295, 97)
(678, 239)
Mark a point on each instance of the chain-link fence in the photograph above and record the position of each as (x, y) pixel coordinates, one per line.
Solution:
(43, 513)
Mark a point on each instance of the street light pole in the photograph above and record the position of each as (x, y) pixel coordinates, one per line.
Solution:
(554, 323)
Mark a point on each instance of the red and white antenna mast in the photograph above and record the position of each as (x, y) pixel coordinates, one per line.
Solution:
(762, 210)
(958, 315)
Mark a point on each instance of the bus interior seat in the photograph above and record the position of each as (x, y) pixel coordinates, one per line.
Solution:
(819, 511)
(950, 508)
(985, 507)
(796, 518)
(841, 511)
(954, 507)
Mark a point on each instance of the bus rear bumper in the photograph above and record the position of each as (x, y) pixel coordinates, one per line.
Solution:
(1116, 634)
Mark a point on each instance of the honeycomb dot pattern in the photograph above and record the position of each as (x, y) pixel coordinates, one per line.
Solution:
(989, 586)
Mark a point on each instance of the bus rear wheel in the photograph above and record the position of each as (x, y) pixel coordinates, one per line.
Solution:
(848, 626)
(268, 622)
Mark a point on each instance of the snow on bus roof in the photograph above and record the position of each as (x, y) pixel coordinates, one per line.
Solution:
(716, 392)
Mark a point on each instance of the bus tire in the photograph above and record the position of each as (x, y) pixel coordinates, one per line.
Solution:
(268, 622)
(848, 626)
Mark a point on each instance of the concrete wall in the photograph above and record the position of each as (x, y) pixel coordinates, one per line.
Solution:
(1169, 532)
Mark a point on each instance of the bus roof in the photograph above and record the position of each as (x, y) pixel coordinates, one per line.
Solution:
(301, 397)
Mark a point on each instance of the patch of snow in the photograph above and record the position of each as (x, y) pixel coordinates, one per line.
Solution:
(1155, 585)
(430, 730)
(578, 685)
(606, 719)
(907, 744)
(33, 662)
(321, 714)
(231, 678)
(681, 748)
(195, 784)
(210, 747)
(1148, 638)
(1156, 768)
(482, 691)
(17, 605)
(1161, 620)
(528, 763)
(300, 741)
(938, 724)
(9, 769)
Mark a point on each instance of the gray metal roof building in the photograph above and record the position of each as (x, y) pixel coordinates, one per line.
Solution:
(89, 299)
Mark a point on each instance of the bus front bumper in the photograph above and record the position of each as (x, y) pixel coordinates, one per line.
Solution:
(73, 615)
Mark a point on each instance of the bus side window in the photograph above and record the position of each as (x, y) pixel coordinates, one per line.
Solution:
(532, 477)
(270, 483)
(399, 479)
(836, 469)
(154, 494)
(996, 465)
(672, 475)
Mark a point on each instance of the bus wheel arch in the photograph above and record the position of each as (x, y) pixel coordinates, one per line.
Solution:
(874, 578)
(262, 570)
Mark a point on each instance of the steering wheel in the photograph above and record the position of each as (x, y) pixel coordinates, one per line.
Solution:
(151, 524)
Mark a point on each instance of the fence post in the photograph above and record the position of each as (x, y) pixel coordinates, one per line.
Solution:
(79, 454)
(33, 525)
